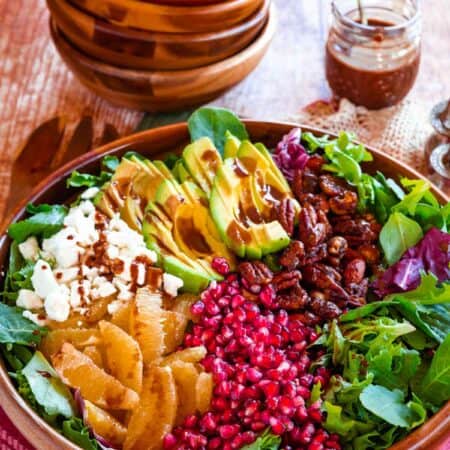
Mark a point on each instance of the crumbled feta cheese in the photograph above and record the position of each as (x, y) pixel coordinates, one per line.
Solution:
(82, 219)
(29, 249)
(90, 193)
(66, 275)
(29, 300)
(112, 252)
(43, 279)
(141, 273)
(104, 290)
(57, 305)
(125, 275)
(34, 318)
(124, 290)
(171, 284)
(79, 290)
(63, 246)
(114, 306)
(89, 272)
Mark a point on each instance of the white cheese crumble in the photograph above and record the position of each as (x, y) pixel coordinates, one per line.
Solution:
(171, 284)
(34, 317)
(90, 193)
(29, 249)
(89, 259)
(43, 280)
(28, 299)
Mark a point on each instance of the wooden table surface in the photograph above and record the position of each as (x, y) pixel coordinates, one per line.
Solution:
(35, 84)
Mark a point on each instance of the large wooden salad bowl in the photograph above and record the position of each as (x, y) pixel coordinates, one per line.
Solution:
(154, 143)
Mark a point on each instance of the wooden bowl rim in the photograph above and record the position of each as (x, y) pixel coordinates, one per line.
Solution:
(227, 7)
(166, 76)
(160, 36)
(435, 423)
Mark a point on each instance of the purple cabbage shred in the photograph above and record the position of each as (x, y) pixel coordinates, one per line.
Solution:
(431, 255)
(290, 155)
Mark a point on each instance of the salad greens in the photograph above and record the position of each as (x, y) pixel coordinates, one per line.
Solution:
(214, 123)
(109, 165)
(45, 221)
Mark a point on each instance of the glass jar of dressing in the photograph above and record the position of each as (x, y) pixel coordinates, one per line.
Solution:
(373, 50)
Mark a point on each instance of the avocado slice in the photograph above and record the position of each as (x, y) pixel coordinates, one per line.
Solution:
(232, 144)
(180, 172)
(202, 160)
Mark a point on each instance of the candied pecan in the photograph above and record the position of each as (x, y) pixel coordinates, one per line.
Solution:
(322, 307)
(357, 230)
(284, 212)
(315, 163)
(306, 317)
(293, 255)
(370, 253)
(296, 298)
(344, 203)
(331, 185)
(305, 181)
(313, 226)
(315, 254)
(319, 201)
(354, 271)
(326, 278)
(286, 280)
(255, 272)
(337, 246)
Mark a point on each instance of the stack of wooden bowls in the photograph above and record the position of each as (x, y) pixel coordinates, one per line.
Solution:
(161, 55)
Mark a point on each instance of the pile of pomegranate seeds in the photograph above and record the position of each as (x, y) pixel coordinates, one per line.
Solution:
(259, 359)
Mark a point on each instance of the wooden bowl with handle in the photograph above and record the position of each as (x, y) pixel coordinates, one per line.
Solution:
(156, 144)
(147, 50)
(169, 18)
(164, 90)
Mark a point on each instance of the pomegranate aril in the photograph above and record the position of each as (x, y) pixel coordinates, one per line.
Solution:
(228, 431)
(276, 426)
(169, 441)
(307, 433)
(286, 406)
(270, 388)
(215, 443)
(197, 308)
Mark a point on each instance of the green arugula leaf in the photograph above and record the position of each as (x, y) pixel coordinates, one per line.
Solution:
(110, 163)
(78, 179)
(267, 441)
(47, 388)
(390, 406)
(339, 422)
(17, 356)
(213, 123)
(417, 190)
(15, 329)
(315, 142)
(398, 234)
(45, 222)
(435, 387)
(75, 430)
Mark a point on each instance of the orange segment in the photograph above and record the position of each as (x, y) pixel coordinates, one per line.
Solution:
(79, 371)
(80, 338)
(104, 424)
(189, 355)
(203, 392)
(174, 325)
(123, 356)
(186, 376)
(155, 415)
(146, 324)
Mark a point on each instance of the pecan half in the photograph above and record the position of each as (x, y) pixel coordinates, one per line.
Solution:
(331, 186)
(305, 181)
(313, 226)
(323, 308)
(354, 271)
(344, 203)
(286, 280)
(255, 272)
(284, 212)
(325, 278)
(297, 298)
(293, 256)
